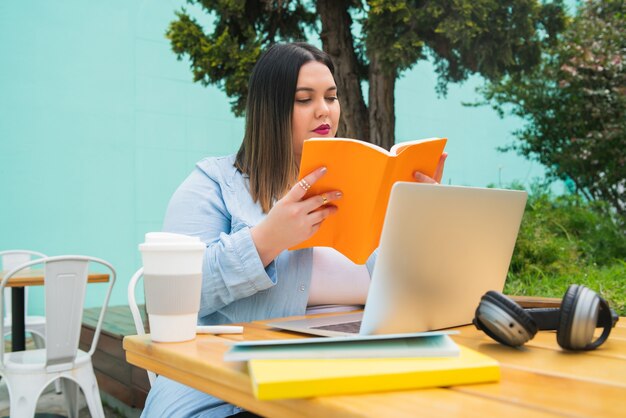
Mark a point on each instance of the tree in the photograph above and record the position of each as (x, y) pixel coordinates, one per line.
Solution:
(574, 104)
(489, 37)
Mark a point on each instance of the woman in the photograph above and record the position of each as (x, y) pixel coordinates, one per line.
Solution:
(249, 209)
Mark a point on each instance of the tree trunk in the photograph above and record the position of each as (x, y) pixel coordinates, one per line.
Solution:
(382, 116)
(337, 41)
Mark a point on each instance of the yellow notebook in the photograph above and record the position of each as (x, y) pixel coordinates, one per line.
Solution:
(365, 174)
(296, 378)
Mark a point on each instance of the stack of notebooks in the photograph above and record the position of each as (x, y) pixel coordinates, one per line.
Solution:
(299, 368)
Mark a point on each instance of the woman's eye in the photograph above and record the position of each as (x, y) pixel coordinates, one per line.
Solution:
(303, 100)
(331, 98)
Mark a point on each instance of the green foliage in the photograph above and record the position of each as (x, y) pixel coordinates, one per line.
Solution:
(225, 56)
(574, 104)
(565, 240)
(489, 37)
(562, 234)
(390, 27)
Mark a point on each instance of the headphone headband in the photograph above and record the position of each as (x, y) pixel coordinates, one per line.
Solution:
(581, 311)
(547, 319)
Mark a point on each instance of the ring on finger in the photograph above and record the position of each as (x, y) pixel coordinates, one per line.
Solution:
(304, 184)
(324, 199)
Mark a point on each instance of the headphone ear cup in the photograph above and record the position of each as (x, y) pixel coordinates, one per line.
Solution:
(578, 318)
(504, 320)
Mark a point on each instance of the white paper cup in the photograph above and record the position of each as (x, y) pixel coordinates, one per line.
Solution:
(172, 271)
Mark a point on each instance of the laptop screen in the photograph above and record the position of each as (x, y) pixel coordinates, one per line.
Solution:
(441, 248)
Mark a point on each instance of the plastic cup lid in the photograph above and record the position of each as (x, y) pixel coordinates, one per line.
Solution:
(155, 240)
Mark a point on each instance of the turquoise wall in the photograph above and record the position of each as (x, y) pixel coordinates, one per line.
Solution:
(99, 123)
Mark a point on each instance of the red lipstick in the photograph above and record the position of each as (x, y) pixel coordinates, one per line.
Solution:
(323, 129)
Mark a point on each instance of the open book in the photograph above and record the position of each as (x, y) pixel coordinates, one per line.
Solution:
(364, 173)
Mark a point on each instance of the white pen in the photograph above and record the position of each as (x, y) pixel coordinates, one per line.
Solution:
(219, 329)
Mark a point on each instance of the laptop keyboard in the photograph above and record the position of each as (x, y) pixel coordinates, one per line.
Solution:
(349, 327)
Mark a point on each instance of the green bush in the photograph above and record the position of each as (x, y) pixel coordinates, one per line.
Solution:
(565, 240)
(563, 234)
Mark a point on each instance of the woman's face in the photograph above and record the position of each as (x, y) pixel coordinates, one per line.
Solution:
(316, 108)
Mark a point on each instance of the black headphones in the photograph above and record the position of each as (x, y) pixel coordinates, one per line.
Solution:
(582, 311)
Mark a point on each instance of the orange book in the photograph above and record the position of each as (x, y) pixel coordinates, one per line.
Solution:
(364, 173)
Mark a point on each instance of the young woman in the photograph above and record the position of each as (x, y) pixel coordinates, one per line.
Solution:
(249, 209)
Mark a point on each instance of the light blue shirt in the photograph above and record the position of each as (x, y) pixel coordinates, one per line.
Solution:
(214, 204)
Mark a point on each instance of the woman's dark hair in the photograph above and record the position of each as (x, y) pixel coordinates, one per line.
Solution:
(266, 154)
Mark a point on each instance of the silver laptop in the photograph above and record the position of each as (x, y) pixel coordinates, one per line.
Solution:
(441, 248)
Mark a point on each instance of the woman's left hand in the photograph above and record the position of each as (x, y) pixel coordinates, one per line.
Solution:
(436, 179)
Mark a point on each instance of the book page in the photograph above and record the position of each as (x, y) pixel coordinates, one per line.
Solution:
(357, 141)
(400, 146)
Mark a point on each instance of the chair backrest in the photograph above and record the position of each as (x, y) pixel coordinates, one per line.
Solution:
(134, 309)
(65, 281)
(9, 260)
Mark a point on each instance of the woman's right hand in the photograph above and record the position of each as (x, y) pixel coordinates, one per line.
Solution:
(436, 178)
(292, 219)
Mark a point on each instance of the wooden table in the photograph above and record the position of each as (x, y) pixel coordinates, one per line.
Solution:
(17, 284)
(539, 380)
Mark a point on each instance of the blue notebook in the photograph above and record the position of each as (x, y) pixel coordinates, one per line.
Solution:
(421, 344)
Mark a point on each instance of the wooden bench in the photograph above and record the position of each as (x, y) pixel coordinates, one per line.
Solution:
(127, 383)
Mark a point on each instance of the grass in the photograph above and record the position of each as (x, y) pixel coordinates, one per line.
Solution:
(566, 240)
(610, 282)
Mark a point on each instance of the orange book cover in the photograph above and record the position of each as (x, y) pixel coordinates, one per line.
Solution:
(364, 173)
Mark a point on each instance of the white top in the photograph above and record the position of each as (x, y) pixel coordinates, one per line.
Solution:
(337, 284)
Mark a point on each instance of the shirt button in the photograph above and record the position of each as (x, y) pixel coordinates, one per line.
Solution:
(302, 288)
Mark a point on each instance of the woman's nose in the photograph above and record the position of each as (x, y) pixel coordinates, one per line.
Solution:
(321, 109)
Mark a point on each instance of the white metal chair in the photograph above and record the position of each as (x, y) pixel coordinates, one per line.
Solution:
(34, 324)
(28, 373)
(134, 309)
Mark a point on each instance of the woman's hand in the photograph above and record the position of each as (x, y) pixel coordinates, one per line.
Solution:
(292, 219)
(436, 179)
